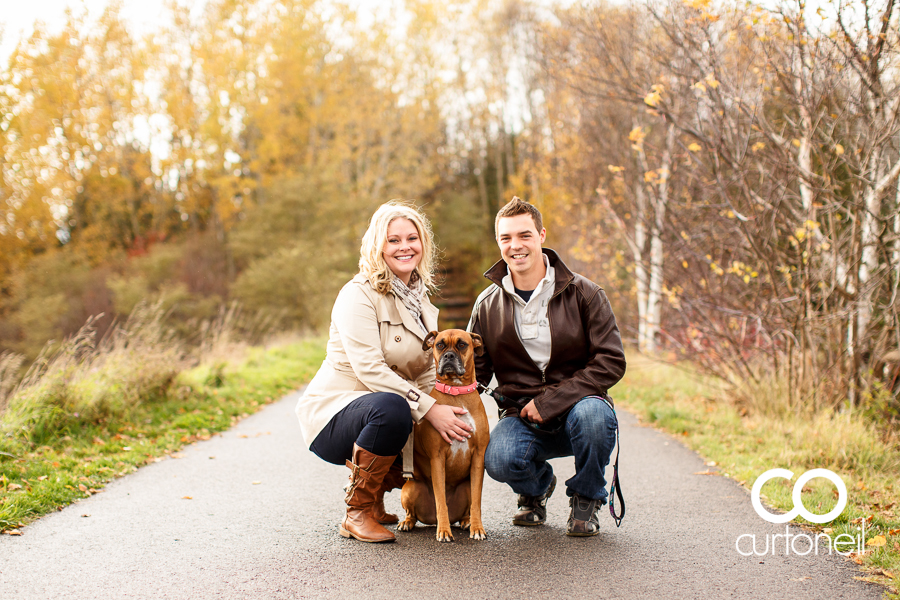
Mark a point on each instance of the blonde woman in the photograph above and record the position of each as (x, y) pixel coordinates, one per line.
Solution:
(360, 407)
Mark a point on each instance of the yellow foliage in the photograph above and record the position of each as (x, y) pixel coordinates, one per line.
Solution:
(838, 149)
(695, 147)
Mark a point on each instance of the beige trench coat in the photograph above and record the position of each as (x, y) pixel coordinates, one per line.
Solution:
(374, 345)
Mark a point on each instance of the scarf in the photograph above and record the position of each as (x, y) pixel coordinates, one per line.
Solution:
(411, 297)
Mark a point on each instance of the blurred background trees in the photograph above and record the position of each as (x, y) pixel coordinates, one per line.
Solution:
(728, 171)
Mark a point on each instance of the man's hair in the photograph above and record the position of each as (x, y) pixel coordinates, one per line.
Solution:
(516, 207)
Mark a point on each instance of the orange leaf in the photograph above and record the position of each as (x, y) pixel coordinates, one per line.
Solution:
(14, 532)
(82, 487)
(877, 541)
(187, 498)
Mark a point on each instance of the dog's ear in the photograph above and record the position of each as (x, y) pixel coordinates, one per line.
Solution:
(478, 344)
(428, 344)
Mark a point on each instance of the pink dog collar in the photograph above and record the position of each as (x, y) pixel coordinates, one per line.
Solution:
(455, 390)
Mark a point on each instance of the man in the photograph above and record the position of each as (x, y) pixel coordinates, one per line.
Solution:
(551, 339)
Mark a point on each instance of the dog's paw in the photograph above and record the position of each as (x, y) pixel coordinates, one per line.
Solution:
(464, 523)
(444, 535)
(478, 533)
(406, 524)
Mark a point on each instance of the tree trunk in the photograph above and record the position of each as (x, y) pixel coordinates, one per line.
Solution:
(654, 294)
(640, 270)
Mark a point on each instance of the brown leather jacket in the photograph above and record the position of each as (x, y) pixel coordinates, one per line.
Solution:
(586, 355)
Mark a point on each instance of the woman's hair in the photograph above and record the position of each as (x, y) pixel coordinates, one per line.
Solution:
(371, 258)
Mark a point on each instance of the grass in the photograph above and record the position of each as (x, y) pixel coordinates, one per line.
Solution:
(59, 443)
(743, 446)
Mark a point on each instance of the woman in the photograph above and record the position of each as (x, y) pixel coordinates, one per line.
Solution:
(360, 407)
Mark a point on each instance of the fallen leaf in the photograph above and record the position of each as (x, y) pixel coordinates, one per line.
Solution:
(893, 531)
(85, 515)
(257, 482)
(187, 498)
(887, 574)
(127, 448)
(98, 441)
(706, 472)
(711, 463)
(42, 478)
(695, 147)
(14, 532)
(212, 458)
(56, 465)
(242, 435)
(828, 530)
(877, 541)
(13, 486)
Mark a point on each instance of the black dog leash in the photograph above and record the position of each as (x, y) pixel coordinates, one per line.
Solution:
(615, 489)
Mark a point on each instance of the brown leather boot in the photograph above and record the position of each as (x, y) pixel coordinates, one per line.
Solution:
(367, 472)
(394, 480)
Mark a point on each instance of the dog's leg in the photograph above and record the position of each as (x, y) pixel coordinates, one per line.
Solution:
(476, 477)
(463, 495)
(438, 482)
(408, 501)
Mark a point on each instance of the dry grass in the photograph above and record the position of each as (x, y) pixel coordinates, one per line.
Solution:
(83, 380)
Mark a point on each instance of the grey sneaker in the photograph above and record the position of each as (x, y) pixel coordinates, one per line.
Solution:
(533, 509)
(584, 520)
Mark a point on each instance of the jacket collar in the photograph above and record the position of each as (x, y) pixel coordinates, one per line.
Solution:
(429, 310)
(563, 275)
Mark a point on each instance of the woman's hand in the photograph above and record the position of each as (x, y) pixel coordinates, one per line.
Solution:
(443, 418)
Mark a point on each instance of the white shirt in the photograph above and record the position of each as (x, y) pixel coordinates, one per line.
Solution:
(532, 323)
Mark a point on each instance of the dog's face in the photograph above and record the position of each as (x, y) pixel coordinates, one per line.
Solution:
(454, 351)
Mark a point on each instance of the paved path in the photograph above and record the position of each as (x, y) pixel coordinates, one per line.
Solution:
(262, 523)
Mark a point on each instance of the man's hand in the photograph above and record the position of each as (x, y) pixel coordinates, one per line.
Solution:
(530, 412)
(443, 418)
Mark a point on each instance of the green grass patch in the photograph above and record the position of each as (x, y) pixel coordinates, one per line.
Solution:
(41, 472)
(743, 446)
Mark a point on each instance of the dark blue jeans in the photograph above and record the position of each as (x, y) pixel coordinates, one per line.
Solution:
(379, 422)
(518, 455)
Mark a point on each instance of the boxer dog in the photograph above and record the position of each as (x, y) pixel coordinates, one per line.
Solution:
(446, 487)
